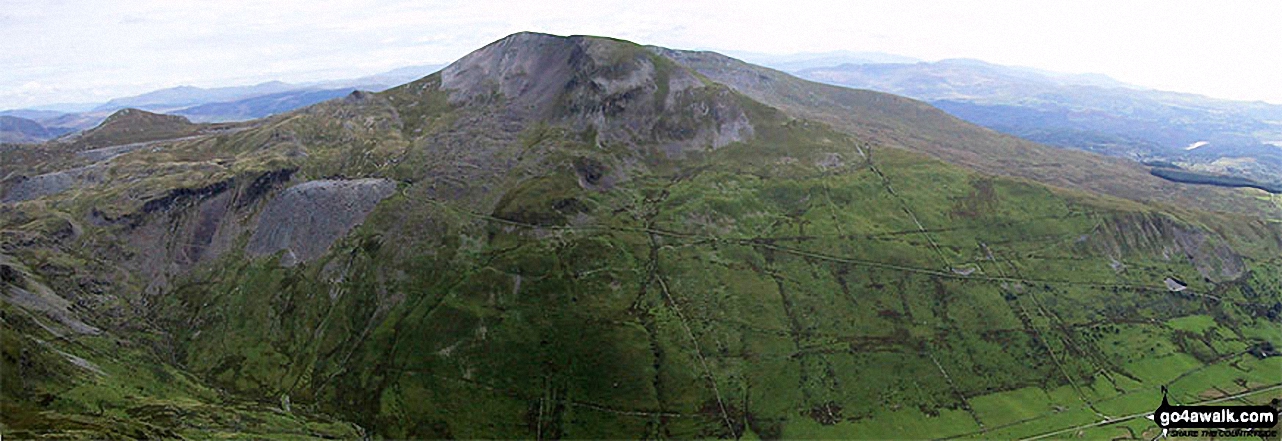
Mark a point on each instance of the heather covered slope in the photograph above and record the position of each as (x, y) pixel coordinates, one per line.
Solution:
(578, 237)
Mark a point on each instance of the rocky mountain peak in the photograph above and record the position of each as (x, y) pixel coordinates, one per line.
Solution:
(624, 91)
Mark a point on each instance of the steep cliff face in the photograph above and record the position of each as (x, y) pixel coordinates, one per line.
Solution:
(1168, 239)
(304, 220)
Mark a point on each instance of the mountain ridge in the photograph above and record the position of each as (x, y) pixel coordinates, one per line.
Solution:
(214, 104)
(1001, 155)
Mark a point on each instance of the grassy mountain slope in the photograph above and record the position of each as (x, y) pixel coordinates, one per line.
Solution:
(132, 125)
(587, 238)
(918, 126)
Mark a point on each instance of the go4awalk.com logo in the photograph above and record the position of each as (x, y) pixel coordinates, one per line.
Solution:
(1215, 421)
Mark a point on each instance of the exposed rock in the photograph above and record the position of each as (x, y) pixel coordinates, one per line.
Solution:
(187, 226)
(24, 188)
(27, 188)
(77, 361)
(594, 174)
(37, 298)
(624, 93)
(106, 153)
(528, 67)
(306, 219)
(1168, 239)
(830, 161)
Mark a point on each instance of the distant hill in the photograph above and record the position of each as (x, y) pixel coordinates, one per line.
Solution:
(218, 104)
(32, 114)
(183, 96)
(795, 62)
(381, 81)
(1088, 112)
(133, 125)
(259, 106)
(19, 130)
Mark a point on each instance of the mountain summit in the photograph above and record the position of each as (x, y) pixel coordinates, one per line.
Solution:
(581, 237)
(622, 92)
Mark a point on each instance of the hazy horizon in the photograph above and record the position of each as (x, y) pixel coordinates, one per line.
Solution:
(74, 52)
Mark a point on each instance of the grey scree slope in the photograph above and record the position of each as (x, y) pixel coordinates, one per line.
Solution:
(307, 218)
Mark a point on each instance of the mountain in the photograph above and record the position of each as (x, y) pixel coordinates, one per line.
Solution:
(19, 130)
(32, 114)
(920, 127)
(219, 104)
(260, 106)
(182, 96)
(128, 126)
(801, 61)
(1088, 112)
(381, 81)
(262, 99)
(581, 237)
(26, 127)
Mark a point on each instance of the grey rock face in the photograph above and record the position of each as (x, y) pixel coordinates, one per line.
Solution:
(27, 188)
(1162, 236)
(306, 219)
(17, 289)
(623, 93)
(531, 67)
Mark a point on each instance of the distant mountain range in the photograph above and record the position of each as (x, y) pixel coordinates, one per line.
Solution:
(219, 104)
(796, 62)
(1088, 112)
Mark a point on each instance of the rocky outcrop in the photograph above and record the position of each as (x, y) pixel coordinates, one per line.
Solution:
(23, 188)
(19, 289)
(622, 92)
(1163, 237)
(304, 220)
(169, 234)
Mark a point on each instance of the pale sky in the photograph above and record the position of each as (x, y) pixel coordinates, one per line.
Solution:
(90, 51)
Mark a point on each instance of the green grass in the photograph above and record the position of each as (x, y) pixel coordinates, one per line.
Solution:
(1196, 324)
(1012, 406)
